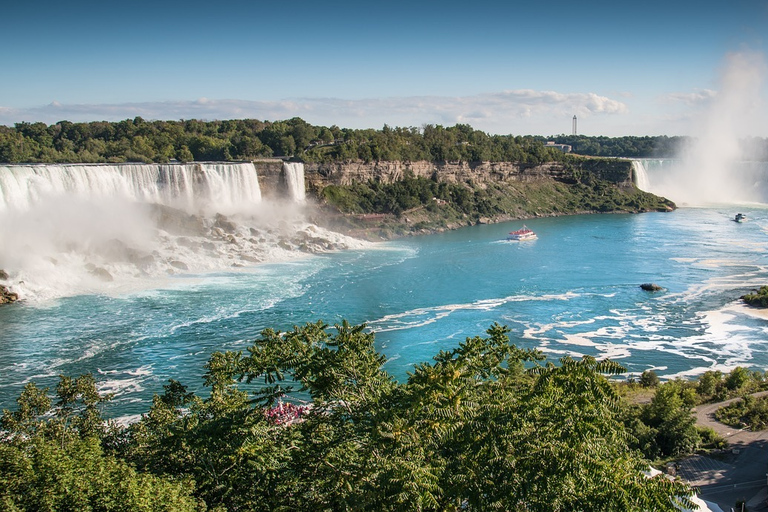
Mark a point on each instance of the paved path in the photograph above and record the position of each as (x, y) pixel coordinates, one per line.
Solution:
(738, 474)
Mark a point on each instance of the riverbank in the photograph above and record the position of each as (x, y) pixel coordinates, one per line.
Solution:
(419, 206)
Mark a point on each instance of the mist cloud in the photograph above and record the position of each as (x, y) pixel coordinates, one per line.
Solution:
(711, 169)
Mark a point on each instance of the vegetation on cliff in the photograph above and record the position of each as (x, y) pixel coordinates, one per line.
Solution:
(752, 148)
(418, 204)
(483, 426)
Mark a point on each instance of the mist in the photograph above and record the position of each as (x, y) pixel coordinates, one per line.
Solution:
(714, 167)
(66, 230)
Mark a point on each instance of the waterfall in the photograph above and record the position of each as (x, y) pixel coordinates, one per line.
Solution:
(645, 168)
(640, 175)
(94, 228)
(294, 178)
(690, 183)
(225, 187)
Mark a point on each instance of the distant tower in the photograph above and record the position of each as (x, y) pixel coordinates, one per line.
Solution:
(574, 125)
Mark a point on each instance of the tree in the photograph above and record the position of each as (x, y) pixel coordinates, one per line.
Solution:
(737, 378)
(309, 420)
(52, 458)
(670, 414)
(649, 379)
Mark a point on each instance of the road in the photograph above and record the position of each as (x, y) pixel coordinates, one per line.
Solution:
(737, 474)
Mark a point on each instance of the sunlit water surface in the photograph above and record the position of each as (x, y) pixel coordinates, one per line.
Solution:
(575, 290)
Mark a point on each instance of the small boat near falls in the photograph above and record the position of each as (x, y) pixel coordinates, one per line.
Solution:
(522, 234)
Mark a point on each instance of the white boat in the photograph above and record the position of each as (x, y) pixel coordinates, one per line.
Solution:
(522, 234)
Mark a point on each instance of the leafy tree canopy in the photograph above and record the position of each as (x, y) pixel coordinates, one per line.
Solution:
(309, 420)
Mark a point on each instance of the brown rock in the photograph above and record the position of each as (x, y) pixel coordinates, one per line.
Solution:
(7, 296)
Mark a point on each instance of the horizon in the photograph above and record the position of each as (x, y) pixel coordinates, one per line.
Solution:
(644, 70)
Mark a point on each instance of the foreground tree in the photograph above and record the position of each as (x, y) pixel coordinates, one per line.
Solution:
(52, 458)
(309, 420)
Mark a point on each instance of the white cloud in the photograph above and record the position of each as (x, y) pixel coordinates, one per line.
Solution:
(514, 111)
(690, 99)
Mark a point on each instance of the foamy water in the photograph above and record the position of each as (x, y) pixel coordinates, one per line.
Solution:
(573, 291)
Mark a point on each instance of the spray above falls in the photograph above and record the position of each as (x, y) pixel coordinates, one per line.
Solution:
(73, 229)
(716, 166)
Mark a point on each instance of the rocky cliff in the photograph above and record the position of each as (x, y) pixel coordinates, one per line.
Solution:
(318, 176)
(386, 199)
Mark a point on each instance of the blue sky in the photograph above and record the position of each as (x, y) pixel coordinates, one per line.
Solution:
(646, 68)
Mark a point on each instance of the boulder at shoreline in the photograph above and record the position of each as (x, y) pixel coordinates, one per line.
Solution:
(7, 296)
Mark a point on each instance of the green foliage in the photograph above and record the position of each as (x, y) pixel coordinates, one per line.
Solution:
(711, 386)
(137, 140)
(711, 439)
(483, 426)
(748, 412)
(649, 379)
(158, 141)
(758, 298)
(52, 458)
(42, 475)
(434, 203)
(666, 427)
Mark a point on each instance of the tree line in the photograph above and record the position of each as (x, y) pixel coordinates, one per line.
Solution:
(308, 419)
(139, 140)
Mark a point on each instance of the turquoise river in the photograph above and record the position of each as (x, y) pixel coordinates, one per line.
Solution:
(573, 291)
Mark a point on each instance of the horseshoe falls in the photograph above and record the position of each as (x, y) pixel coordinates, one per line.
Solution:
(137, 285)
(690, 182)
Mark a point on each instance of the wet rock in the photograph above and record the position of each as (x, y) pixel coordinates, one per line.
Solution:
(223, 223)
(142, 261)
(651, 287)
(101, 273)
(7, 296)
(114, 250)
(176, 221)
(4, 275)
(178, 264)
(186, 242)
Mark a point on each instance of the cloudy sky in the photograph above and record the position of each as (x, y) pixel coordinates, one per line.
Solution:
(641, 68)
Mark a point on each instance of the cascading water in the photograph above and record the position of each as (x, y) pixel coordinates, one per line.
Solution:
(193, 187)
(740, 182)
(294, 178)
(82, 229)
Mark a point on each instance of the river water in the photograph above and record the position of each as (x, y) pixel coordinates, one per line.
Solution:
(573, 291)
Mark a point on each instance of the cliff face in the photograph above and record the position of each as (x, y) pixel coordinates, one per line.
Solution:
(271, 180)
(318, 176)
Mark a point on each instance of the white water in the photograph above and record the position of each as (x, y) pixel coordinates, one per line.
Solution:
(294, 178)
(717, 166)
(742, 182)
(196, 187)
(83, 229)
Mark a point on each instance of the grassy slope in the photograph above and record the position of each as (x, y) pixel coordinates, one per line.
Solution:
(372, 210)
